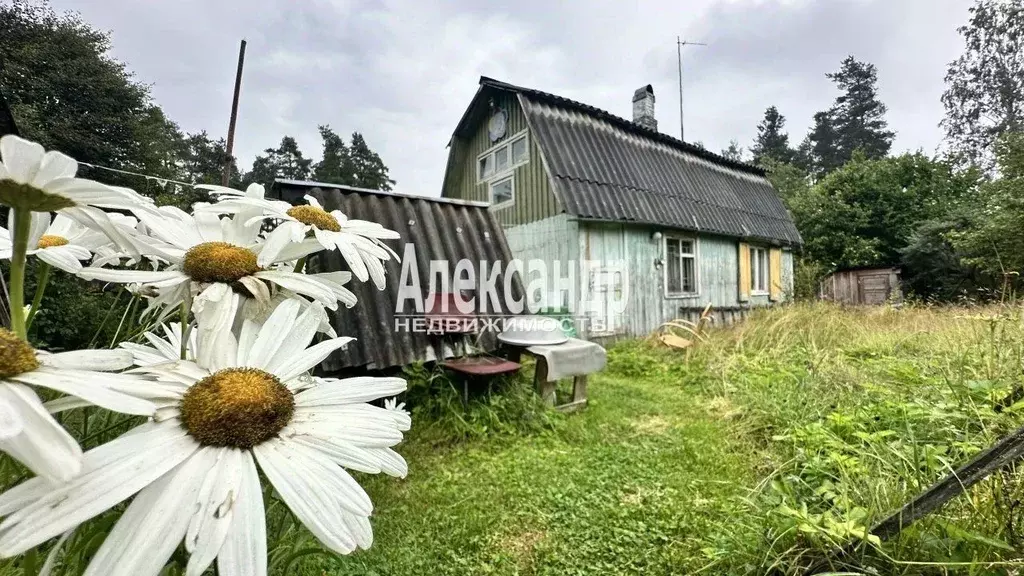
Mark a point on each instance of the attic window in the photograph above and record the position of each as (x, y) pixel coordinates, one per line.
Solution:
(499, 161)
(503, 191)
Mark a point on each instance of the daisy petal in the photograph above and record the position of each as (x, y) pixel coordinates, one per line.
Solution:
(244, 552)
(11, 423)
(54, 165)
(132, 462)
(217, 500)
(349, 390)
(301, 284)
(150, 529)
(131, 276)
(271, 336)
(91, 386)
(21, 158)
(38, 224)
(62, 259)
(317, 491)
(43, 446)
(289, 368)
(215, 313)
(99, 360)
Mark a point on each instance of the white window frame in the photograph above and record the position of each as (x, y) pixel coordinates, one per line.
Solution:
(757, 274)
(512, 165)
(490, 191)
(696, 264)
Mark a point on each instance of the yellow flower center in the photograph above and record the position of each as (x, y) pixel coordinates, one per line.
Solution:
(237, 407)
(26, 197)
(48, 241)
(16, 356)
(313, 216)
(219, 262)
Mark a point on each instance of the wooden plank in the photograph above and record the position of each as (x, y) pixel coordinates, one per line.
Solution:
(1001, 455)
(743, 289)
(774, 274)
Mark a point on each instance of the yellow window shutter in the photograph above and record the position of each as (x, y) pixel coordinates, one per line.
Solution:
(775, 274)
(744, 287)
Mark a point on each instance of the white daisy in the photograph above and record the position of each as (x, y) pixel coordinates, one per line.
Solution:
(61, 243)
(194, 466)
(358, 241)
(27, 431)
(207, 255)
(39, 181)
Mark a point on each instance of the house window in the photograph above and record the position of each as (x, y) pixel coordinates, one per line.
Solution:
(758, 270)
(502, 191)
(494, 163)
(681, 266)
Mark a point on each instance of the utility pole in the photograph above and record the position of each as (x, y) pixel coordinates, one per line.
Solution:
(226, 178)
(679, 57)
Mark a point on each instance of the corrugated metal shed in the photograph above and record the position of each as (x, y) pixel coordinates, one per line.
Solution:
(607, 168)
(440, 229)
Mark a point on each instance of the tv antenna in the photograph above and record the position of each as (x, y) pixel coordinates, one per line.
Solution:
(679, 56)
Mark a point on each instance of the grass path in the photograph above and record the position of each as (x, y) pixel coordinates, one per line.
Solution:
(628, 485)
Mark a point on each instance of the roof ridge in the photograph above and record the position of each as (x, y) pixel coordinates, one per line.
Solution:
(633, 126)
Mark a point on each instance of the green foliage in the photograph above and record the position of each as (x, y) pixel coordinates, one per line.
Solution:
(285, 161)
(935, 269)
(984, 95)
(992, 242)
(772, 142)
(67, 93)
(501, 406)
(807, 275)
(354, 165)
(733, 151)
(866, 212)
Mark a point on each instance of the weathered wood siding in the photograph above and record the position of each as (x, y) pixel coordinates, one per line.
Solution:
(647, 305)
(533, 197)
(863, 286)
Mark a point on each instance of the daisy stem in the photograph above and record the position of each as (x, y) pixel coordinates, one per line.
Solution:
(22, 222)
(37, 298)
(300, 264)
(185, 326)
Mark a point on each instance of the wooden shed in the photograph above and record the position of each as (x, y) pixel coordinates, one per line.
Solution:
(866, 285)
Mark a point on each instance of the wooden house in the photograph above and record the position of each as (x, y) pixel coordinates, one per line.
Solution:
(673, 226)
(864, 285)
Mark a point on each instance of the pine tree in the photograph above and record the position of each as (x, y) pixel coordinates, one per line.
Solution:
(858, 114)
(336, 165)
(854, 122)
(370, 171)
(285, 161)
(772, 141)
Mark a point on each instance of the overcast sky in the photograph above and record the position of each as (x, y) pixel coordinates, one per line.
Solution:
(401, 72)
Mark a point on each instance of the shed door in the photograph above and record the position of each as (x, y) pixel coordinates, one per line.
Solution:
(874, 288)
(605, 291)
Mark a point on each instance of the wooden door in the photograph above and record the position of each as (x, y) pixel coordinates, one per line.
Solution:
(873, 288)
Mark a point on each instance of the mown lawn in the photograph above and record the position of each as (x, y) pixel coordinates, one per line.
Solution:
(769, 444)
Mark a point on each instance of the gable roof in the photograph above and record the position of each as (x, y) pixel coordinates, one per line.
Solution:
(604, 167)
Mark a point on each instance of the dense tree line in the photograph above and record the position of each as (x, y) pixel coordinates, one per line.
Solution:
(67, 92)
(954, 222)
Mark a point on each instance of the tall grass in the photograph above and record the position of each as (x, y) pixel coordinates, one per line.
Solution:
(855, 411)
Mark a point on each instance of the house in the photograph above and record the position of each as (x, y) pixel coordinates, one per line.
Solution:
(388, 330)
(862, 285)
(667, 227)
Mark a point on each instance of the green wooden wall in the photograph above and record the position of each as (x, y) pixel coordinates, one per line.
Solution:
(534, 199)
(647, 306)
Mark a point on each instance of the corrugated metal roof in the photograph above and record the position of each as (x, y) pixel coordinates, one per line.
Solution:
(440, 229)
(604, 167)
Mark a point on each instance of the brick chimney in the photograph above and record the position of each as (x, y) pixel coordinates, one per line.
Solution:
(643, 107)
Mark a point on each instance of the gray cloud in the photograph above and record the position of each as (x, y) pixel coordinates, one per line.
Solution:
(401, 72)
